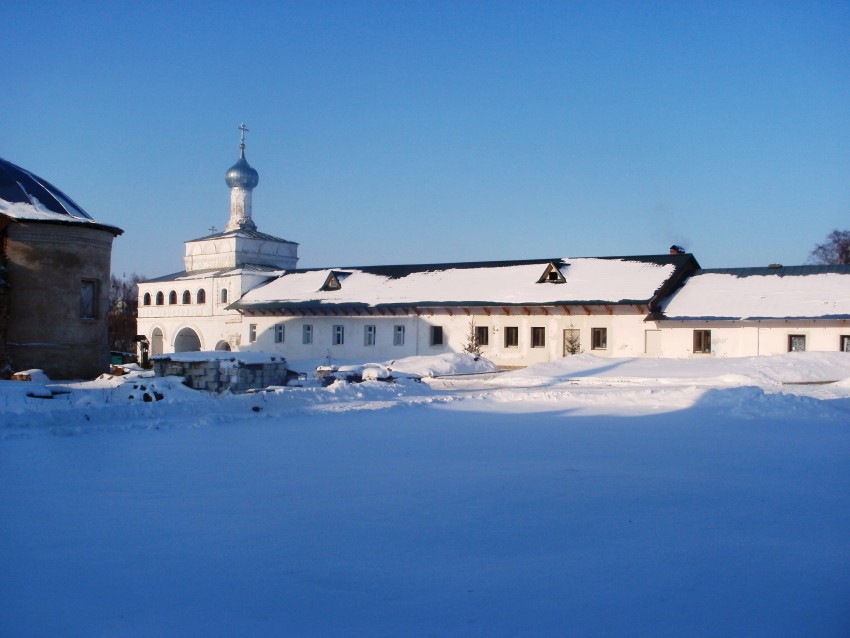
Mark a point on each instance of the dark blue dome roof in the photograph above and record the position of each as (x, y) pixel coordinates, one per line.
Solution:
(19, 186)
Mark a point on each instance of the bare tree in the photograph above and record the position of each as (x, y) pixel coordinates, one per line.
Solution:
(123, 311)
(835, 250)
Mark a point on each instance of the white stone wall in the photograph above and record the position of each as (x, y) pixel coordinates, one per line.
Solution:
(625, 334)
(221, 253)
(750, 339)
(211, 320)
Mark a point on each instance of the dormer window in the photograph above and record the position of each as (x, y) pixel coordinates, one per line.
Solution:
(552, 275)
(333, 281)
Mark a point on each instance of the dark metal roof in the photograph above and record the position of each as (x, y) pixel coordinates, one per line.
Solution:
(18, 185)
(684, 264)
(403, 270)
(314, 304)
(781, 271)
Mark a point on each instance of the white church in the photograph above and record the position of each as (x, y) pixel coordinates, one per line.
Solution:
(241, 290)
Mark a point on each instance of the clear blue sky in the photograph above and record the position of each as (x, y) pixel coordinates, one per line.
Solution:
(399, 132)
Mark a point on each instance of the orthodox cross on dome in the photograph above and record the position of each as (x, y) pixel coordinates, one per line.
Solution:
(243, 129)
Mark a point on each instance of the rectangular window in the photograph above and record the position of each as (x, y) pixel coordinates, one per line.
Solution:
(398, 336)
(369, 336)
(307, 334)
(482, 335)
(796, 343)
(436, 335)
(279, 332)
(88, 299)
(702, 341)
(511, 337)
(845, 343)
(599, 338)
(252, 332)
(338, 335)
(538, 337)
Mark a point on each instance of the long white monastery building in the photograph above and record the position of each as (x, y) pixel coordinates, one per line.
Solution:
(241, 290)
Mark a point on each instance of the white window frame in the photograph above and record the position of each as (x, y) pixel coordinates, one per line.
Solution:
(437, 331)
(279, 332)
(370, 335)
(538, 332)
(702, 341)
(398, 335)
(338, 335)
(600, 343)
(252, 333)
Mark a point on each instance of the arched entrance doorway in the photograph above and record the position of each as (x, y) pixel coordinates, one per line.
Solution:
(156, 341)
(187, 340)
(222, 345)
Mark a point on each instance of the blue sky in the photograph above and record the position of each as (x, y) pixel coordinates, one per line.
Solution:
(400, 132)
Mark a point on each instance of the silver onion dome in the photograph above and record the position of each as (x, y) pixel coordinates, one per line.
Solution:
(241, 175)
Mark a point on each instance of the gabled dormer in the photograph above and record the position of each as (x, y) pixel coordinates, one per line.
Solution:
(552, 275)
(334, 280)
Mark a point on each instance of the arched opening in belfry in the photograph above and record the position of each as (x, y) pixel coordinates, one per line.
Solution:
(187, 340)
(156, 341)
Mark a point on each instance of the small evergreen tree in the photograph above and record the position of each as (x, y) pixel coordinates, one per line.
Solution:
(472, 346)
(572, 341)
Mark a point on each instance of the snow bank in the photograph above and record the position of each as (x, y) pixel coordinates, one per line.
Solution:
(793, 367)
(442, 364)
(782, 387)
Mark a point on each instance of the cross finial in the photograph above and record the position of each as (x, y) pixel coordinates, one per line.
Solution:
(243, 129)
(213, 230)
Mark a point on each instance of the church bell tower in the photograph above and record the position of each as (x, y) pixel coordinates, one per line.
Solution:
(240, 244)
(242, 180)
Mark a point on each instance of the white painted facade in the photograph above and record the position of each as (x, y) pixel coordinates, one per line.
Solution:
(241, 291)
(215, 327)
(759, 311)
(385, 337)
(739, 338)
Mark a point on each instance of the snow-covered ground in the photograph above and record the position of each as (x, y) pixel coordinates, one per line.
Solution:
(586, 497)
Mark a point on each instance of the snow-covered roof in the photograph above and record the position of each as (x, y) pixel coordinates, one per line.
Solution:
(247, 269)
(589, 281)
(25, 196)
(811, 292)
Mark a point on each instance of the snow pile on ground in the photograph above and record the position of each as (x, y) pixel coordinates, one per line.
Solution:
(794, 367)
(442, 365)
